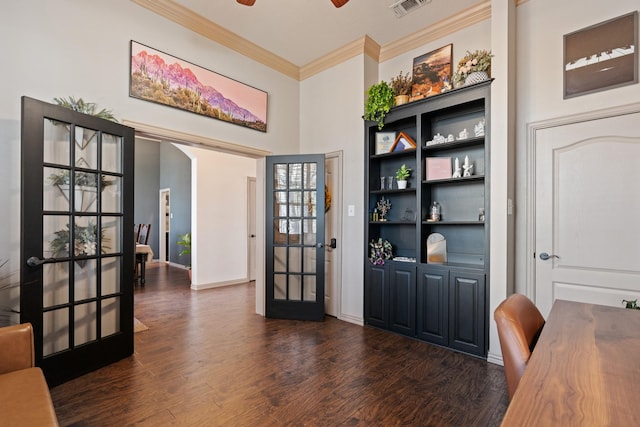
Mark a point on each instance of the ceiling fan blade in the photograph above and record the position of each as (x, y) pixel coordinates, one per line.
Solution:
(246, 2)
(339, 3)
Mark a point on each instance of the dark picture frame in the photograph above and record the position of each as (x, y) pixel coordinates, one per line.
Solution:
(161, 78)
(431, 71)
(601, 57)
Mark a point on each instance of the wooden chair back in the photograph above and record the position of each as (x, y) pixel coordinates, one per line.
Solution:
(143, 234)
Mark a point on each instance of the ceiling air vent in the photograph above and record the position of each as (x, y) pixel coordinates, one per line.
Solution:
(403, 7)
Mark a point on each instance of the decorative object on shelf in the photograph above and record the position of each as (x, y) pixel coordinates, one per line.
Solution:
(602, 56)
(431, 72)
(404, 259)
(478, 129)
(408, 215)
(437, 139)
(389, 183)
(473, 62)
(381, 250)
(401, 176)
(631, 304)
(384, 142)
(457, 172)
(481, 214)
(375, 216)
(383, 206)
(450, 138)
(436, 249)
(403, 142)
(467, 167)
(464, 134)
(438, 168)
(158, 77)
(434, 212)
(380, 100)
(382, 181)
(401, 85)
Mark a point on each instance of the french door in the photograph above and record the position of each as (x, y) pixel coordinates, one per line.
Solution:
(295, 233)
(77, 250)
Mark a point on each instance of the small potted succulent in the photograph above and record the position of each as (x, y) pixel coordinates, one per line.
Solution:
(379, 102)
(401, 176)
(401, 85)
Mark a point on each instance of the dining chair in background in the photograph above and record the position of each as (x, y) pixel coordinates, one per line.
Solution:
(519, 325)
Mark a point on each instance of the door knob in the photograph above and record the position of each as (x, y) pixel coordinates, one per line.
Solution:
(34, 261)
(319, 245)
(252, 236)
(545, 256)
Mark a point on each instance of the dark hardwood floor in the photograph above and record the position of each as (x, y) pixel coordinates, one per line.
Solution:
(209, 360)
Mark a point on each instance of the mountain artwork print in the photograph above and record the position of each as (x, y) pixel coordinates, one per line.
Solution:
(164, 79)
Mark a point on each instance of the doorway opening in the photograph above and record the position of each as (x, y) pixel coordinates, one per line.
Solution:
(164, 223)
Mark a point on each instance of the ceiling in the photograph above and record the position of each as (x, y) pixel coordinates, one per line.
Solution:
(301, 31)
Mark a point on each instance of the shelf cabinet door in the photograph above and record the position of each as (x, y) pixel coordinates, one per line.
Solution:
(402, 298)
(376, 294)
(433, 304)
(467, 312)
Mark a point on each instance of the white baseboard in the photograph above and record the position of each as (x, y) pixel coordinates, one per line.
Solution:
(351, 319)
(496, 359)
(218, 284)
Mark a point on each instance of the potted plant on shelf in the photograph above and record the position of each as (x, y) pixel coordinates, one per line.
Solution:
(401, 85)
(474, 67)
(379, 102)
(185, 241)
(401, 176)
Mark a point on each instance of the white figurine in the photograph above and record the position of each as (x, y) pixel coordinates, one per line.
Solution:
(468, 167)
(450, 138)
(463, 134)
(479, 128)
(457, 172)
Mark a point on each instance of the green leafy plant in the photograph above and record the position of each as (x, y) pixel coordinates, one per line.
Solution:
(81, 106)
(185, 241)
(632, 304)
(479, 60)
(403, 173)
(381, 250)
(81, 179)
(85, 241)
(402, 84)
(380, 100)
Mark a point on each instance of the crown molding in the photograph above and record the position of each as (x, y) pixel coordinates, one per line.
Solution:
(365, 45)
(209, 29)
(452, 24)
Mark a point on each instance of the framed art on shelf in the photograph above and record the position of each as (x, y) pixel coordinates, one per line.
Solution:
(384, 142)
(602, 56)
(403, 142)
(432, 72)
(438, 168)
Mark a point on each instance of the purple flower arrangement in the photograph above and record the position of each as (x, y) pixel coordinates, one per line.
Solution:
(380, 251)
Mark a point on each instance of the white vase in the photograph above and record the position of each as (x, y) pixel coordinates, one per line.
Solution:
(402, 184)
(476, 77)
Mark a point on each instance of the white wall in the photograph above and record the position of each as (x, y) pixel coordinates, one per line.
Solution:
(331, 110)
(539, 84)
(218, 216)
(76, 48)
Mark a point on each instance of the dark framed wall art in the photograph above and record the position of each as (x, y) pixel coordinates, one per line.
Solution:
(602, 56)
(162, 78)
(430, 72)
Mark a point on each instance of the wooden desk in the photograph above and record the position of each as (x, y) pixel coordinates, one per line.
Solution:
(584, 371)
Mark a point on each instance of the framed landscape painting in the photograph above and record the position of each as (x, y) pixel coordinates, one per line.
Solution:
(603, 56)
(162, 78)
(430, 72)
